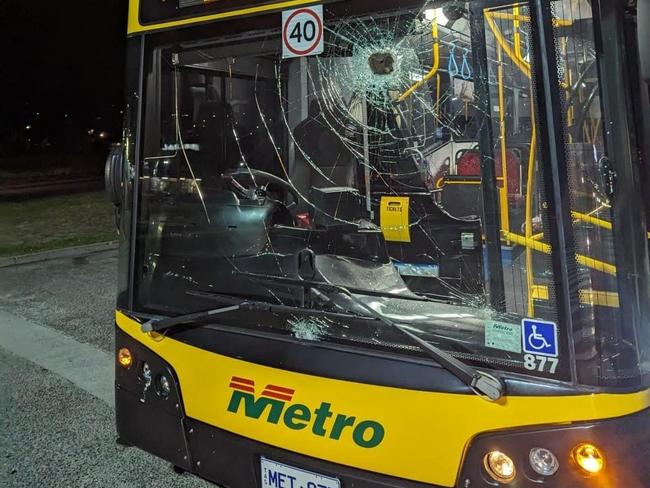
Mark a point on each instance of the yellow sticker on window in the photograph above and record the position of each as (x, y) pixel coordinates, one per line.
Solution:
(394, 218)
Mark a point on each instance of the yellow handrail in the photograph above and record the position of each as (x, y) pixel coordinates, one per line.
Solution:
(530, 188)
(517, 35)
(524, 241)
(594, 220)
(524, 18)
(530, 180)
(438, 86)
(591, 220)
(542, 247)
(587, 296)
(521, 64)
(519, 61)
(436, 62)
(503, 192)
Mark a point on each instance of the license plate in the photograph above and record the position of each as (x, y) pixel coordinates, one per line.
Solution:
(278, 475)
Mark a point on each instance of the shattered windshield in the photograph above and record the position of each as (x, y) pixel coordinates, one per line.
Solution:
(370, 165)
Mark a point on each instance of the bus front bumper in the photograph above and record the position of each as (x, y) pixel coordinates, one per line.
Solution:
(157, 423)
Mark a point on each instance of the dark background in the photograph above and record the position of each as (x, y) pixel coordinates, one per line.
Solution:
(61, 82)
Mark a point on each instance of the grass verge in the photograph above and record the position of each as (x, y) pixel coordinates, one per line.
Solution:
(49, 223)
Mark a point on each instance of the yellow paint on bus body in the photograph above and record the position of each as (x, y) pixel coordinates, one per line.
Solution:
(136, 27)
(425, 433)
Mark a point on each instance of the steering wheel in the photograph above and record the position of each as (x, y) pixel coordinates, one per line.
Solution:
(257, 184)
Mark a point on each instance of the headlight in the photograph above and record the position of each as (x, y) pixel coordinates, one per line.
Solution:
(145, 373)
(543, 461)
(124, 358)
(499, 466)
(589, 458)
(163, 387)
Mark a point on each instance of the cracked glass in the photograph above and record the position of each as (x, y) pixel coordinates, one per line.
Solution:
(367, 167)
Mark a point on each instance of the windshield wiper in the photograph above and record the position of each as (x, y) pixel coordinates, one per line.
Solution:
(483, 384)
(236, 303)
(155, 325)
(321, 285)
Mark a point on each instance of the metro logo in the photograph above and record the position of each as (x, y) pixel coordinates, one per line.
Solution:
(274, 405)
(271, 391)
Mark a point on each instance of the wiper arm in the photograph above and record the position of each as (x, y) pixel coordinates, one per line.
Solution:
(237, 303)
(327, 286)
(272, 307)
(154, 325)
(483, 384)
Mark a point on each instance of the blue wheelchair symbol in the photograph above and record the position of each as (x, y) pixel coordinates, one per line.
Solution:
(539, 337)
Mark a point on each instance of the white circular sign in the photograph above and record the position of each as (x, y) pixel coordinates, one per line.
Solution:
(302, 31)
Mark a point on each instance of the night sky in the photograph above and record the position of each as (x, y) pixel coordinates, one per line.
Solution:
(60, 58)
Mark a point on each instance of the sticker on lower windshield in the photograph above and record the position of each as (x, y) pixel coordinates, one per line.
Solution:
(540, 337)
(504, 336)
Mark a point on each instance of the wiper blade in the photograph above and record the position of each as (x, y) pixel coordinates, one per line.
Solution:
(272, 307)
(321, 285)
(155, 325)
(483, 384)
(237, 303)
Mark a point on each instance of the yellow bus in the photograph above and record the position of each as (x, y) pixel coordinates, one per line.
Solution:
(389, 243)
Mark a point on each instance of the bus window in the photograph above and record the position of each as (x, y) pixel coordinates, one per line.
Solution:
(371, 156)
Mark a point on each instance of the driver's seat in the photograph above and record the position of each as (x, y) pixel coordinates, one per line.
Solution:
(321, 159)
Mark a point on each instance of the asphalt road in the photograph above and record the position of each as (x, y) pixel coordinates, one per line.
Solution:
(56, 419)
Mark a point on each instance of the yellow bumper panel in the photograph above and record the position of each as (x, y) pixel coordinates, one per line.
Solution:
(415, 435)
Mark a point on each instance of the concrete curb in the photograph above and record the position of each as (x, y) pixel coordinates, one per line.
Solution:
(68, 252)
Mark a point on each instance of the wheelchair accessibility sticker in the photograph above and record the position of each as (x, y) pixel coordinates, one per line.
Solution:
(539, 337)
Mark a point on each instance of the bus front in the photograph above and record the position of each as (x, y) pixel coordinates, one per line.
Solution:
(384, 244)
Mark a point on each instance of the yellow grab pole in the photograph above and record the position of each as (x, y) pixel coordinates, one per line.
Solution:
(591, 220)
(501, 42)
(530, 181)
(594, 220)
(570, 118)
(520, 62)
(438, 86)
(596, 264)
(503, 193)
(546, 249)
(517, 34)
(434, 68)
(530, 187)
(525, 18)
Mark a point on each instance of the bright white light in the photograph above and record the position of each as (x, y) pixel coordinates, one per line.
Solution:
(436, 13)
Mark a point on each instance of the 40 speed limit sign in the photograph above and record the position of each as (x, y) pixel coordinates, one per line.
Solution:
(302, 32)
